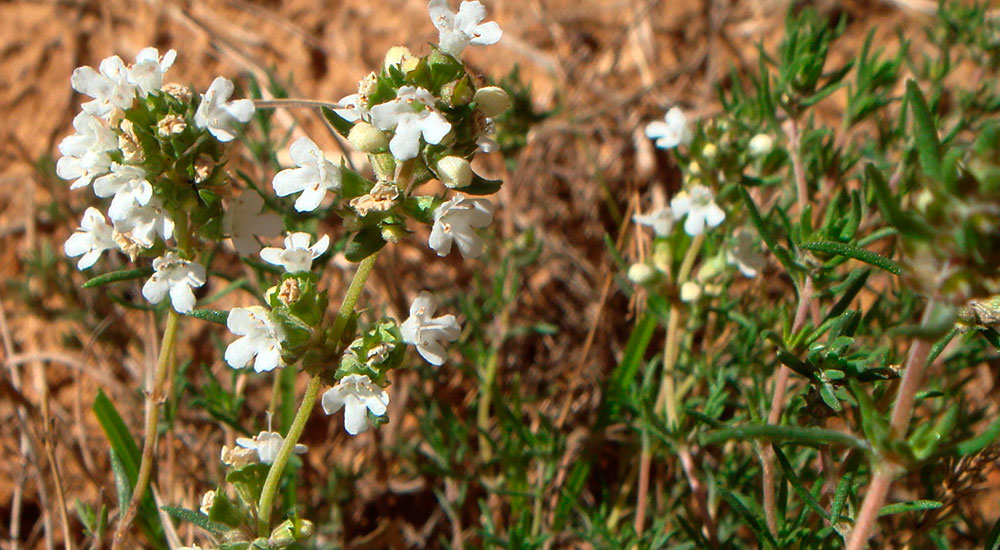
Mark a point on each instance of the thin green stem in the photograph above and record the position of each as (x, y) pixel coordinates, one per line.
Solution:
(666, 397)
(309, 103)
(270, 489)
(153, 398)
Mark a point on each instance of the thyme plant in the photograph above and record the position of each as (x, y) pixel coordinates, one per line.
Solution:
(825, 286)
(159, 152)
(825, 299)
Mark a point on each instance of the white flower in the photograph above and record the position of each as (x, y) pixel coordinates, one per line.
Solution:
(745, 255)
(412, 114)
(660, 217)
(670, 132)
(313, 177)
(426, 332)
(699, 207)
(147, 71)
(176, 276)
(454, 221)
(141, 223)
(94, 237)
(245, 220)
(85, 153)
(457, 30)
(297, 254)
(351, 108)
(267, 445)
(110, 88)
(260, 335)
(220, 116)
(355, 393)
(128, 185)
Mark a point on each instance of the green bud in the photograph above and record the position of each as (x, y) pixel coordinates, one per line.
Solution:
(393, 233)
(492, 101)
(454, 172)
(367, 138)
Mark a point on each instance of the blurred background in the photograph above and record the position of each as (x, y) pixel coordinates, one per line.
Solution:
(550, 320)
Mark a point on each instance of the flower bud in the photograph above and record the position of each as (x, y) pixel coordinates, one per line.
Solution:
(207, 500)
(709, 151)
(492, 101)
(760, 145)
(170, 125)
(204, 165)
(454, 172)
(290, 292)
(397, 56)
(694, 168)
(367, 138)
(179, 92)
(642, 274)
(690, 292)
(393, 233)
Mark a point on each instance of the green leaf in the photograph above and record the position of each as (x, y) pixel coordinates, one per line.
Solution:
(123, 484)
(911, 506)
(758, 222)
(851, 251)
(924, 132)
(794, 434)
(210, 315)
(116, 276)
(197, 518)
(981, 441)
(118, 435)
(907, 223)
(364, 243)
(129, 456)
(793, 478)
(754, 521)
(481, 186)
(855, 282)
(338, 122)
(635, 350)
(993, 539)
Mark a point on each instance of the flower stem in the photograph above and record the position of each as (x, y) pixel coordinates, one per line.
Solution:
(878, 490)
(277, 103)
(270, 489)
(153, 398)
(666, 397)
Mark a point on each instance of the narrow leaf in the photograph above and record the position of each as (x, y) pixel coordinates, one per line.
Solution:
(123, 485)
(210, 315)
(978, 443)
(924, 132)
(635, 350)
(851, 251)
(338, 122)
(793, 478)
(197, 518)
(117, 276)
(481, 186)
(794, 434)
(912, 506)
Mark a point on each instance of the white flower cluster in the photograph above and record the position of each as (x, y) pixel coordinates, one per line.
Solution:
(696, 205)
(399, 126)
(106, 151)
